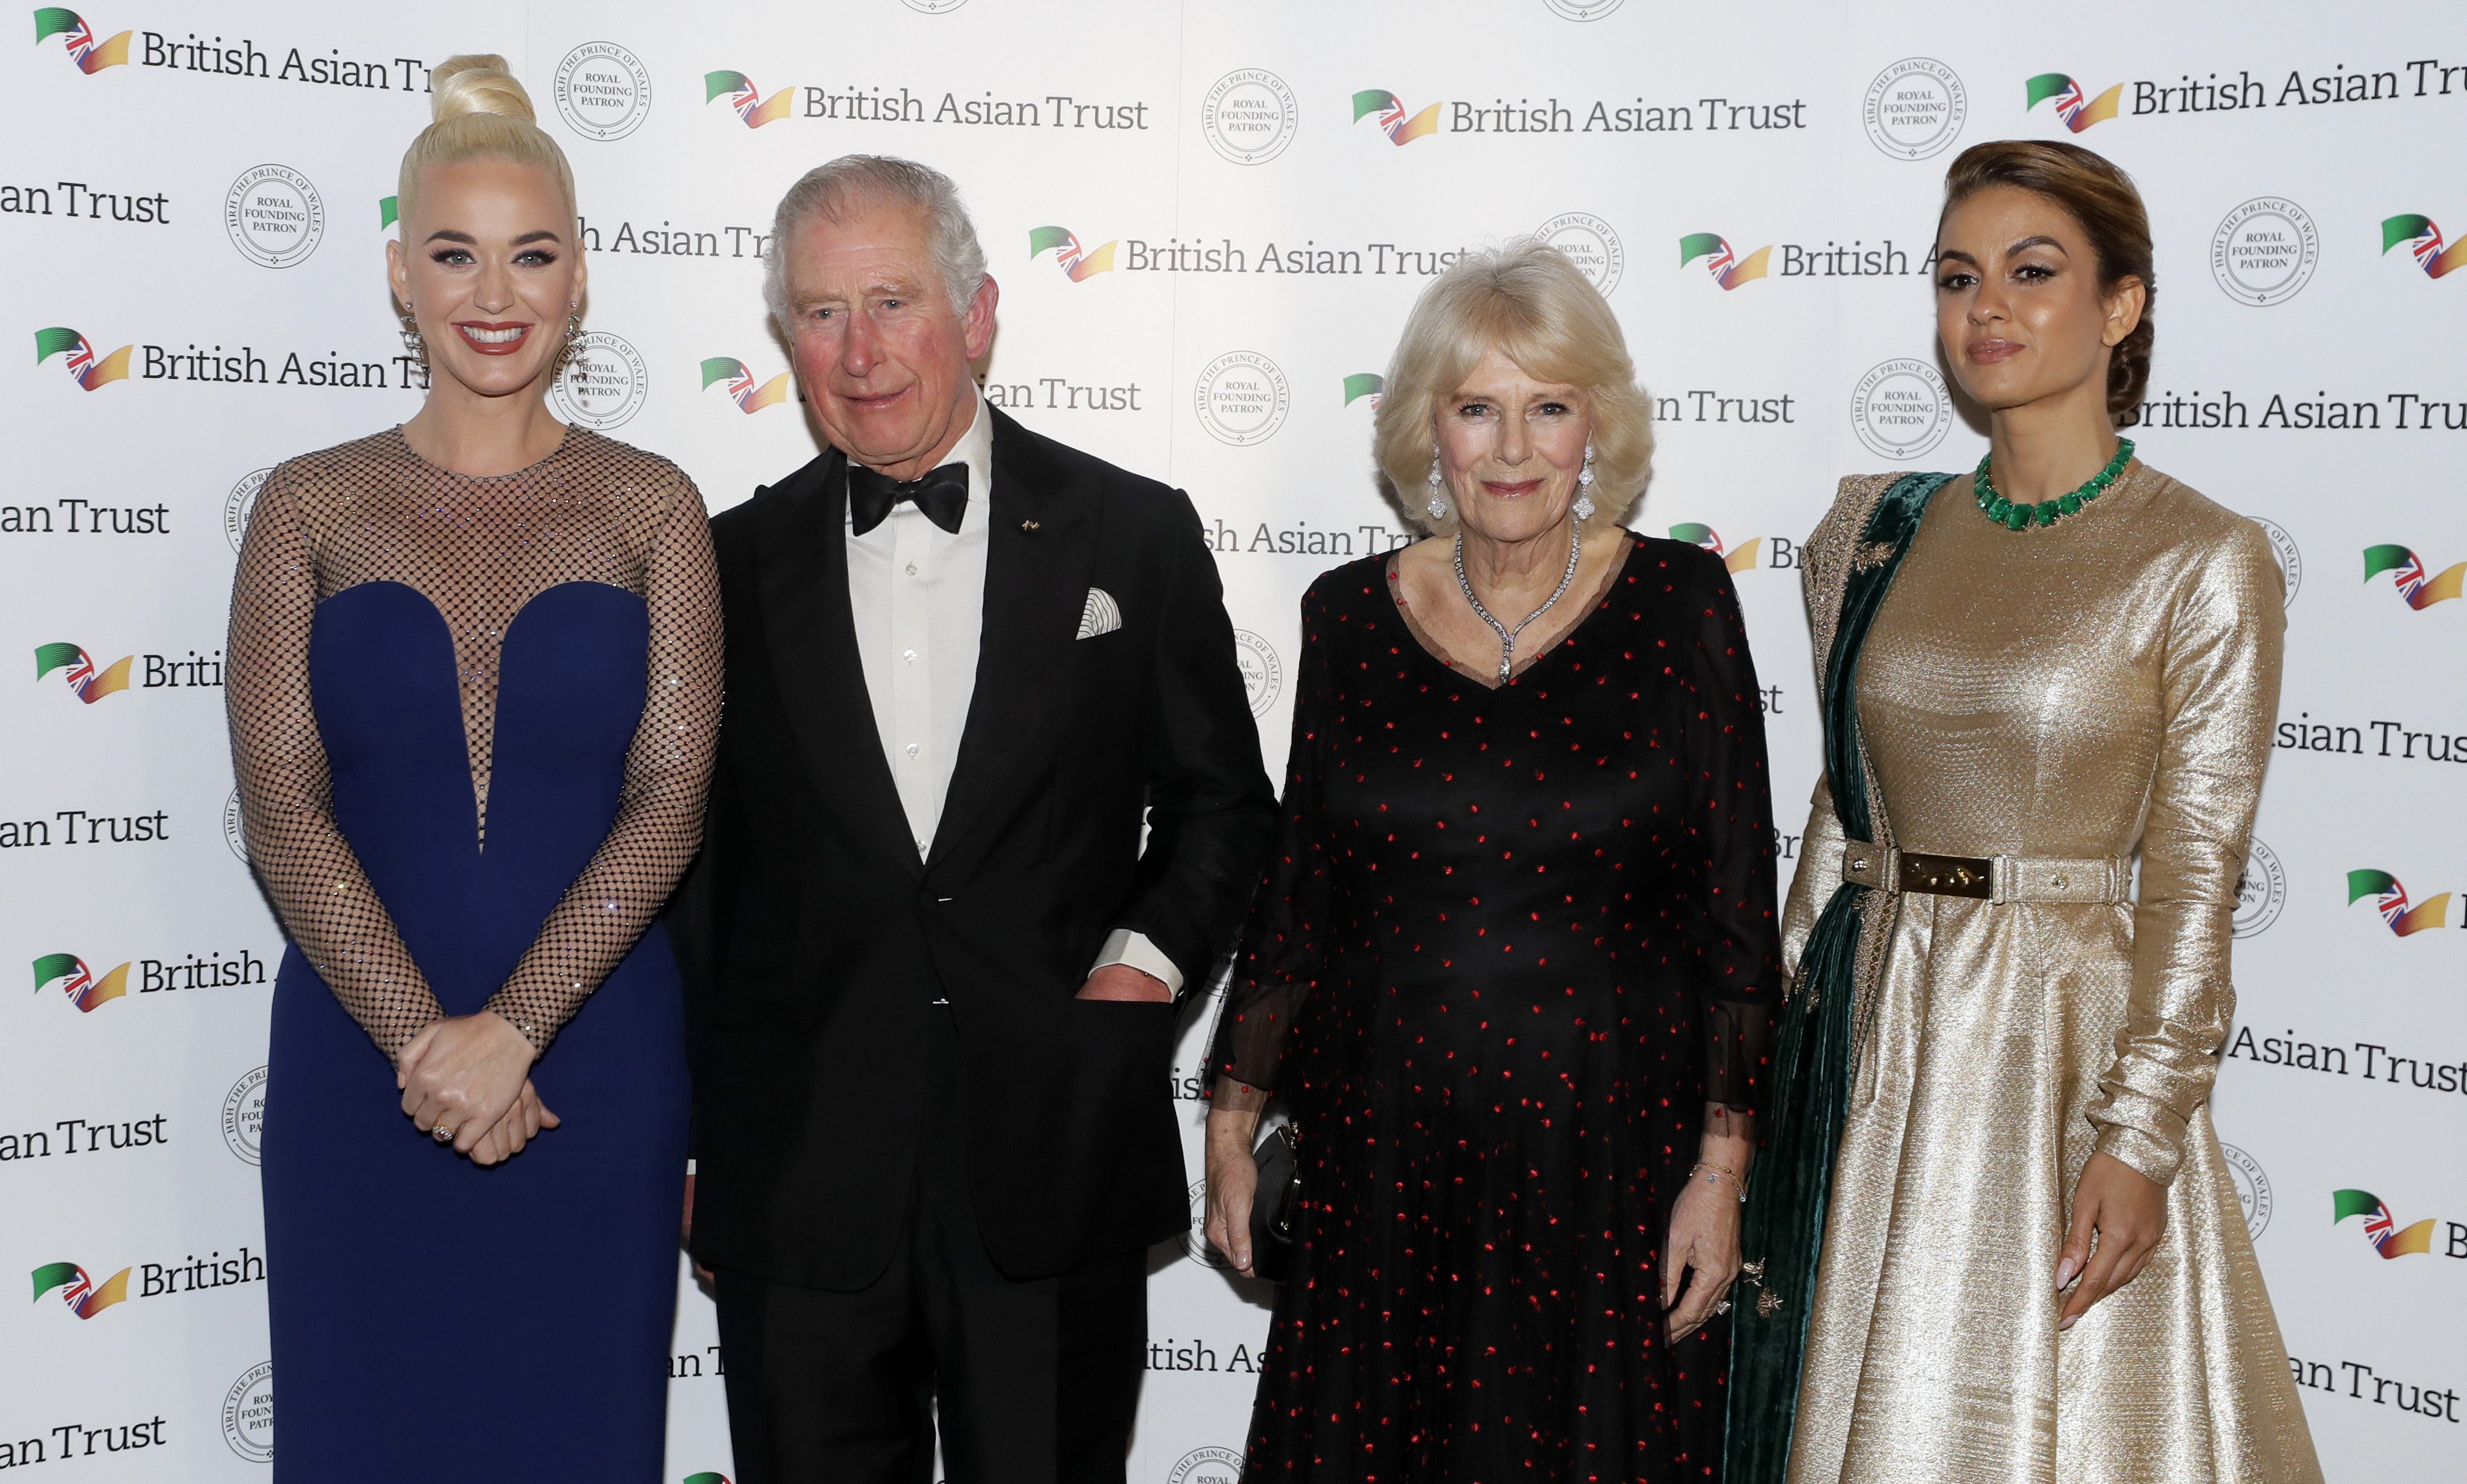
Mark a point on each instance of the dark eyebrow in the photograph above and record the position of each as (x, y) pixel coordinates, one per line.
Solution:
(454, 236)
(2037, 241)
(538, 236)
(1956, 255)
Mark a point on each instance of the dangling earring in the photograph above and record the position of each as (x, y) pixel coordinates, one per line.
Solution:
(1438, 504)
(573, 337)
(413, 344)
(1583, 508)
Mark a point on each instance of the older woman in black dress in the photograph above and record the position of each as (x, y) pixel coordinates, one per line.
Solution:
(1514, 966)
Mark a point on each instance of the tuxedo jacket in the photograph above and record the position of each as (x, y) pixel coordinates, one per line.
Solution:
(814, 940)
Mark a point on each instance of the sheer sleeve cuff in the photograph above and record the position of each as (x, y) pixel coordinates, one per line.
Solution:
(1738, 1036)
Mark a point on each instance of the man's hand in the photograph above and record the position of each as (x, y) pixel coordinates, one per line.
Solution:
(1121, 981)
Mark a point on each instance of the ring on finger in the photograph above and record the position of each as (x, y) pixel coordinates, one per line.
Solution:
(442, 1134)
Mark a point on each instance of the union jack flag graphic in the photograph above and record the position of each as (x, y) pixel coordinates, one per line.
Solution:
(2416, 583)
(85, 1297)
(2075, 108)
(749, 395)
(2389, 899)
(2381, 1228)
(1727, 268)
(745, 98)
(1389, 110)
(1079, 262)
(78, 668)
(90, 55)
(78, 982)
(2424, 243)
(78, 354)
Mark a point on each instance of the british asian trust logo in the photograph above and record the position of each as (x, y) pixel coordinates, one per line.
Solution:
(1389, 110)
(2381, 1228)
(2424, 243)
(2075, 108)
(78, 35)
(1077, 263)
(1727, 268)
(84, 365)
(85, 1297)
(750, 397)
(90, 682)
(2410, 577)
(2389, 899)
(1706, 537)
(84, 990)
(745, 98)
(1362, 384)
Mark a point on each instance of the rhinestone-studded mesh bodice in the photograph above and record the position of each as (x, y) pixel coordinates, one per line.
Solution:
(478, 550)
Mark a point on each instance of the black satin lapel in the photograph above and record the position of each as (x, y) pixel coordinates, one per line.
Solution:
(812, 635)
(1040, 548)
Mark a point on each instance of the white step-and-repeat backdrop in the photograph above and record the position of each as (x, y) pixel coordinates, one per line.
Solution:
(192, 211)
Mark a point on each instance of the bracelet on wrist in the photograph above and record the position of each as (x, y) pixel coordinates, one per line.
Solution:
(1715, 1174)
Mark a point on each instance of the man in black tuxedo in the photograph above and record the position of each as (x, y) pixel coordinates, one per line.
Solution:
(933, 965)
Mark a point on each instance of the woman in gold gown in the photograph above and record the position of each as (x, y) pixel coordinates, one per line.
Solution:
(1993, 1238)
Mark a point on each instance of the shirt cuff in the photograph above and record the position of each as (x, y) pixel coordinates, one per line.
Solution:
(1124, 947)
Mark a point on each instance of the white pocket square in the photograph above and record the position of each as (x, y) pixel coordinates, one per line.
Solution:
(1102, 614)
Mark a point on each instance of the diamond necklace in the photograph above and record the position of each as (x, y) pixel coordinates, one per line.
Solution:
(1506, 635)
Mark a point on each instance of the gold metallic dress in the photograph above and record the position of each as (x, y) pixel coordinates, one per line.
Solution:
(2074, 692)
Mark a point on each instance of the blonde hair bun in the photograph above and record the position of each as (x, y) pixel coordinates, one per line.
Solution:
(478, 82)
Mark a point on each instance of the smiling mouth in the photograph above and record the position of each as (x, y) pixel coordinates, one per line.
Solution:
(499, 339)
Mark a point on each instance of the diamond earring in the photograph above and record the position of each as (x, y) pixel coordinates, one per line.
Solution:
(413, 344)
(572, 336)
(1583, 508)
(1438, 504)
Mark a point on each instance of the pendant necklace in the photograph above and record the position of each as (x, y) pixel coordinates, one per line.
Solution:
(1506, 635)
(2022, 515)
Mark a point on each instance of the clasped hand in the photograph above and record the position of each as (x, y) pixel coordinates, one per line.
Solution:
(471, 1074)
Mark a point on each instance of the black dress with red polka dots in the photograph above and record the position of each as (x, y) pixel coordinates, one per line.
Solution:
(1511, 944)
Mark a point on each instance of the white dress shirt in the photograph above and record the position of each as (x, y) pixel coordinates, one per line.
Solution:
(917, 593)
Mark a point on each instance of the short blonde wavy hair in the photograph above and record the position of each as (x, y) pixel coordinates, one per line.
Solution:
(482, 113)
(1529, 302)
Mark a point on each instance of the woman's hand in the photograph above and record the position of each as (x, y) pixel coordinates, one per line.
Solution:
(1233, 1170)
(1705, 1239)
(2128, 1211)
(467, 1073)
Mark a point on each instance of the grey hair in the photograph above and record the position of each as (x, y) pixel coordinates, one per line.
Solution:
(834, 190)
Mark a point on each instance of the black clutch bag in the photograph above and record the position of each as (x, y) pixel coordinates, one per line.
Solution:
(1275, 1204)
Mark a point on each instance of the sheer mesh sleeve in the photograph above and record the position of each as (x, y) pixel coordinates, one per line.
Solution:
(659, 809)
(286, 805)
(1283, 952)
(1737, 938)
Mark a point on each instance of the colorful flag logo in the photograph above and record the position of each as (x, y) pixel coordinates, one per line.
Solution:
(90, 55)
(385, 213)
(745, 98)
(750, 398)
(91, 373)
(2077, 109)
(1077, 263)
(1695, 534)
(78, 982)
(1362, 384)
(2391, 901)
(89, 684)
(2420, 590)
(2381, 1227)
(78, 1291)
(707, 1476)
(1391, 109)
(2424, 240)
(1729, 269)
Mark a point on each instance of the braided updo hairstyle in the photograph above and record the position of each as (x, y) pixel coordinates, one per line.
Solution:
(482, 113)
(2096, 193)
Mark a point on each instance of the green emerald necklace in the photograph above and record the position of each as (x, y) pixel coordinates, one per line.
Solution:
(2023, 516)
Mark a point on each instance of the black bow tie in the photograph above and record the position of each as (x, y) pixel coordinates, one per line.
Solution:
(943, 494)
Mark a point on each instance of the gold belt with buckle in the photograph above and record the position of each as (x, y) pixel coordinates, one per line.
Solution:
(2002, 878)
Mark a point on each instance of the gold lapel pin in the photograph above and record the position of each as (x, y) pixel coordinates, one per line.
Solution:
(1030, 526)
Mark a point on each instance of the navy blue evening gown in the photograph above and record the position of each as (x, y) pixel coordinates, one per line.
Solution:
(433, 1319)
